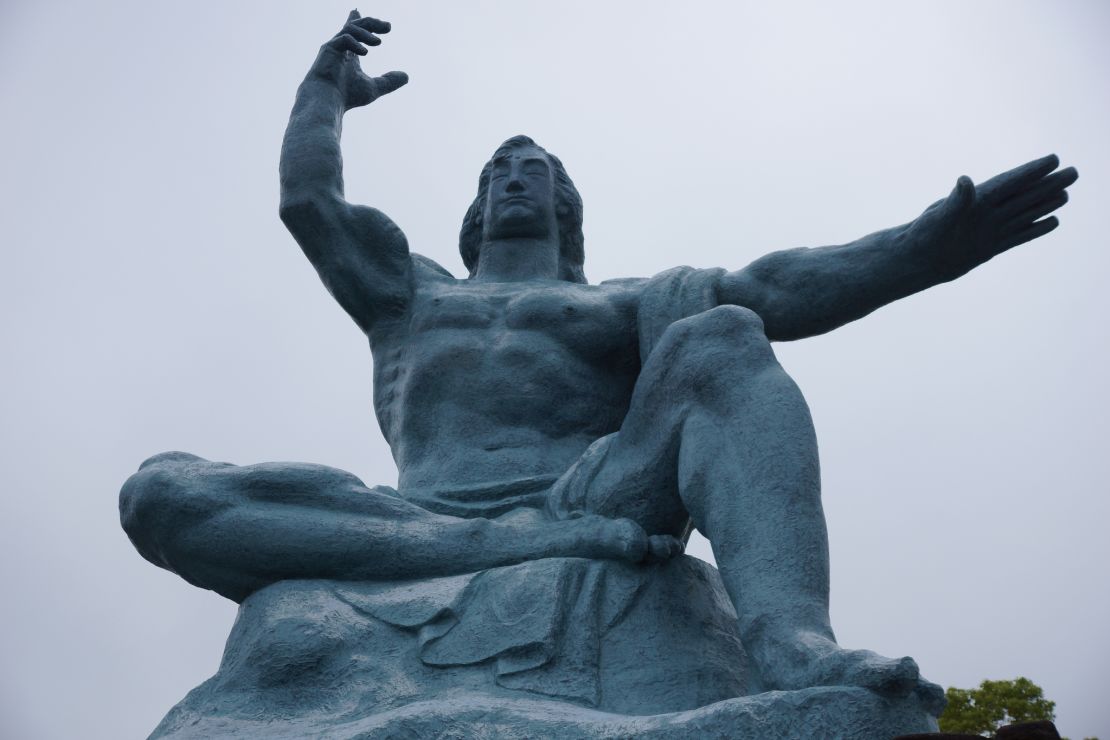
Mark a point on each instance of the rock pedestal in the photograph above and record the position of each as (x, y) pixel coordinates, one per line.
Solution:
(561, 647)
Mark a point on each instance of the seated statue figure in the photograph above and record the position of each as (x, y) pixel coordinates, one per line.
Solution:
(556, 442)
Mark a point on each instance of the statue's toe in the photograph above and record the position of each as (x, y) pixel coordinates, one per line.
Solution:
(663, 547)
(893, 677)
(931, 697)
(896, 678)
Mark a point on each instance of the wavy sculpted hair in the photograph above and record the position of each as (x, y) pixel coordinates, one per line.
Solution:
(568, 215)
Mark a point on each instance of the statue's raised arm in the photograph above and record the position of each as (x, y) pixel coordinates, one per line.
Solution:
(803, 292)
(360, 254)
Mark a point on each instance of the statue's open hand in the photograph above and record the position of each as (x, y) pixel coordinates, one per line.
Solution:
(338, 63)
(975, 223)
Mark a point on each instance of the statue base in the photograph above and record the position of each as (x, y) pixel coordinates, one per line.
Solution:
(563, 647)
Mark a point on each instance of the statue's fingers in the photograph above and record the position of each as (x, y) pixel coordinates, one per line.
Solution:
(361, 34)
(347, 42)
(1001, 187)
(1044, 189)
(1039, 210)
(353, 15)
(1029, 233)
(388, 82)
(373, 24)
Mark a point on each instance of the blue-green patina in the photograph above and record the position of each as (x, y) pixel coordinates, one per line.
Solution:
(556, 441)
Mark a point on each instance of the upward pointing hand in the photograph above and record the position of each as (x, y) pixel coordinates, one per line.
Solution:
(338, 63)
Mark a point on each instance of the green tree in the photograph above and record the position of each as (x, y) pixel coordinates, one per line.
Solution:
(983, 710)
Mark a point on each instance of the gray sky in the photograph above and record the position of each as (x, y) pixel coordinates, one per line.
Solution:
(151, 300)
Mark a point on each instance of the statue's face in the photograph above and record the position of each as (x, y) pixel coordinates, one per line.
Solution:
(521, 197)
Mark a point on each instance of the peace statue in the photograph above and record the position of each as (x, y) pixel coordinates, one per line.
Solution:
(556, 441)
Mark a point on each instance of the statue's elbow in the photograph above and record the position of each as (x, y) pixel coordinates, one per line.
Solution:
(306, 210)
(297, 211)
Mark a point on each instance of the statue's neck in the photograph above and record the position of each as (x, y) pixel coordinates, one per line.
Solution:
(518, 259)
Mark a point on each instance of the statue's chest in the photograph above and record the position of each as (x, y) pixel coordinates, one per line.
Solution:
(581, 318)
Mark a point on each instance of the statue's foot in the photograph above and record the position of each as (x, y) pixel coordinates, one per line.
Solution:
(894, 677)
(594, 536)
(619, 539)
(591, 536)
(828, 664)
(663, 547)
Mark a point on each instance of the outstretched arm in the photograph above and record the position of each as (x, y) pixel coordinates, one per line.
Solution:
(803, 292)
(360, 254)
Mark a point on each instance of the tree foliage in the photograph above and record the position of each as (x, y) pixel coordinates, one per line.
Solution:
(983, 710)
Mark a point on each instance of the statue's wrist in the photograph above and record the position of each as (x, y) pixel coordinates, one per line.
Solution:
(321, 88)
(926, 255)
(946, 263)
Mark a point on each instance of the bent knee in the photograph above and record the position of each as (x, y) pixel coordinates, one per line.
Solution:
(172, 456)
(161, 497)
(720, 337)
(731, 322)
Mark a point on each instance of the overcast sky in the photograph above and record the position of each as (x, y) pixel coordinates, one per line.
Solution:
(150, 299)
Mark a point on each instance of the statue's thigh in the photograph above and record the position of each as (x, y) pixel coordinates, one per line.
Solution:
(694, 385)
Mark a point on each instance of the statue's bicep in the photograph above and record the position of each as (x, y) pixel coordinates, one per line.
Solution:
(361, 256)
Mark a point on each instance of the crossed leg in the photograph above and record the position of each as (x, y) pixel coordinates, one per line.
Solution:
(719, 434)
(236, 529)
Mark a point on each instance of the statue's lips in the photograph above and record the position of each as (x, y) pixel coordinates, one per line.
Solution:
(517, 201)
